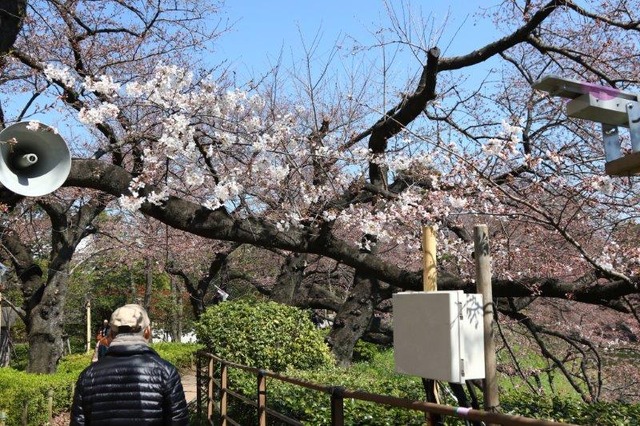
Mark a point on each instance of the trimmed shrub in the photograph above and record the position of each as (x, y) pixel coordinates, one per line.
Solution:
(569, 410)
(25, 396)
(364, 351)
(262, 334)
(182, 355)
(20, 356)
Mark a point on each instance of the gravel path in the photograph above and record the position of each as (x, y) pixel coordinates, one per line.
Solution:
(189, 384)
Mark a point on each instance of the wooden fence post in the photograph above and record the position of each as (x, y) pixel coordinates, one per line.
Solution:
(50, 405)
(25, 413)
(483, 285)
(210, 406)
(337, 406)
(223, 393)
(262, 398)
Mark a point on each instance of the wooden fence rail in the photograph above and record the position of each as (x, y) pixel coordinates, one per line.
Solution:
(218, 387)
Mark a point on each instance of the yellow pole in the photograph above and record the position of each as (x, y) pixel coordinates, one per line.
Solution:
(429, 274)
(430, 283)
(89, 339)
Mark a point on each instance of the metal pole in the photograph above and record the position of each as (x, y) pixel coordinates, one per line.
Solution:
(483, 286)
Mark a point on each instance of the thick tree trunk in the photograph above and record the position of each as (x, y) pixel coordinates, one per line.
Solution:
(44, 302)
(289, 279)
(176, 313)
(353, 317)
(5, 353)
(45, 326)
(148, 288)
(12, 14)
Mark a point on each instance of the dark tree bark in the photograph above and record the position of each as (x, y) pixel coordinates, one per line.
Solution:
(5, 354)
(353, 317)
(148, 287)
(12, 13)
(44, 301)
(176, 313)
(355, 314)
(198, 291)
(219, 225)
(47, 313)
(289, 279)
(314, 294)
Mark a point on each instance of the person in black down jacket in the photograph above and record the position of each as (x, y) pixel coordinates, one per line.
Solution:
(131, 384)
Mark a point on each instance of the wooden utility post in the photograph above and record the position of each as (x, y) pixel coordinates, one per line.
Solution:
(429, 273)
(483, 286)
(430, 283)
(89, 336)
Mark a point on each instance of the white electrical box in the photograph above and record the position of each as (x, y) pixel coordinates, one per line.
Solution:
(439, 335)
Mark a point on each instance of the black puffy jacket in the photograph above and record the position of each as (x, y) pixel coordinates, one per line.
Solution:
(131, 385)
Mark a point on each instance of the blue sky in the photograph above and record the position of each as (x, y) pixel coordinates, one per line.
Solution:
(262, 29)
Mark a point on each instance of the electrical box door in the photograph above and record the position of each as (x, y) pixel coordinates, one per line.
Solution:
(439, 335)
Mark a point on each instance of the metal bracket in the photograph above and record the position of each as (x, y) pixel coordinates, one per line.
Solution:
(633, 111)
(611, 139)
(611, 136)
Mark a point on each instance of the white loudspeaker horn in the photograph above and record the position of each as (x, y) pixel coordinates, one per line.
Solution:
(35, 159)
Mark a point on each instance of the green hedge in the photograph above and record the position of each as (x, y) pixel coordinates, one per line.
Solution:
(24, 395)
(570, 410)
(263, 334)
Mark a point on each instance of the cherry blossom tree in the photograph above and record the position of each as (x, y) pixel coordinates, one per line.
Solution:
(44, 296)
(91, 38)
(331, 168)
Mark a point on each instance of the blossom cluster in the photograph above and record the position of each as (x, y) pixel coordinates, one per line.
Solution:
(230, 149)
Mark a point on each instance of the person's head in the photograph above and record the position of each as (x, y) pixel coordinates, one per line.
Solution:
(105, 323)
(131, 319)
